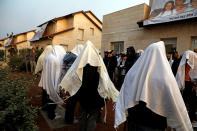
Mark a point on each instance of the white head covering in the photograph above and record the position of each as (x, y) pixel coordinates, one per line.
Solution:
(140, 51)
(73, 79)
(77, 49)
(40, 61)
(51, 73)
(191, 58)
(151, 80)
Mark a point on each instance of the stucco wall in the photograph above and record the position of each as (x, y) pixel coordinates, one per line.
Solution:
(82, 22)
(5, 40)
(94, 19)
(2, 42)
(41, 43)
(65, 38)
(21, 37)
(69, 38)
(122, 26)
(23, 45)
(30, 35)
(64, 24)
(50, 29)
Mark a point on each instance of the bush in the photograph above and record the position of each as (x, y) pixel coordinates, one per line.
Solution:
(18, 62)
(16, 114)
(2, 55)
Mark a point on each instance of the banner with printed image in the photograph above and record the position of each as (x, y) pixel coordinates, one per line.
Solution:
(171, 10)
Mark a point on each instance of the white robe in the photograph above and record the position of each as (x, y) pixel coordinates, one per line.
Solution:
(73, 79)
(77, 49)
(51, 73)
(192, 62)
(151, 80)
(40, 62)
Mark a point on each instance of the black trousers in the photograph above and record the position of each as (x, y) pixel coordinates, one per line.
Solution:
(135, 127)
(70, 109)
(88, 120)
(49, 108)
(189, 98)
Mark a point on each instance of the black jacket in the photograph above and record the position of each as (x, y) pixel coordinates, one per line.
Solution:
(88, 95)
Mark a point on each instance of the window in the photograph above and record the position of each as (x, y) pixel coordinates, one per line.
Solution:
(170, 44)
(92, 31)
(118, 47)
(80, 34)
(194, 42)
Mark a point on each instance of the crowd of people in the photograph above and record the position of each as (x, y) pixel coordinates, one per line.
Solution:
(118, 65)
(156, 89)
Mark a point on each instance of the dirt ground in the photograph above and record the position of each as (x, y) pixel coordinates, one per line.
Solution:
(35, 95)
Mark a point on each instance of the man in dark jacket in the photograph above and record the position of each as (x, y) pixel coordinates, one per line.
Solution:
(176, 63)
(89, 99)
(131, 58)
(105, 58)
(112, 63)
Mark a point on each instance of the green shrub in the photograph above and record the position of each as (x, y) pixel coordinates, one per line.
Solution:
(18, 62)
(16, 114)
(2, 55)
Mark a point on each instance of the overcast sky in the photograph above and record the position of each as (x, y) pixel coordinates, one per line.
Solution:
(23, 15)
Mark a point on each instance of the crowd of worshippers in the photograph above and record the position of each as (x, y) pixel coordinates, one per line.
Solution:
(118, 65)
(151, 97)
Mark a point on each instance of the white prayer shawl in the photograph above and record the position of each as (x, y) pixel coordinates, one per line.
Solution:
(151, 80)
(72, 81)
(171, 61)
(191, 58)
(41, 58)
(77, 49)
(51, 73)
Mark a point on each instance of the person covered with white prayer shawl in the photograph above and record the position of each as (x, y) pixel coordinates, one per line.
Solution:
(89, 81)
(68, 60)
(151, 96)
(186, 77)
(50, 79)
(40, 62)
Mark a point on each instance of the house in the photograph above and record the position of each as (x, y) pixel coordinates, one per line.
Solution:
(127, 27)
(69, 30)
(17, 42)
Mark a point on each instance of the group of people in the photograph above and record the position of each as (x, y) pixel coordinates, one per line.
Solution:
(118, 65)
(83, 75)
(149, 99)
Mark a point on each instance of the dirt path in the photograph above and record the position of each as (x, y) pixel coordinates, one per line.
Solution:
(35, 94)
